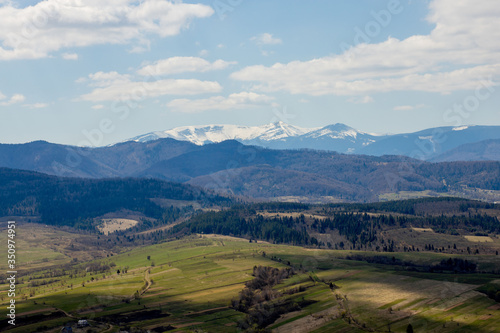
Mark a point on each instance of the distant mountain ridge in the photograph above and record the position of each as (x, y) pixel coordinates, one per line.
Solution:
(424, 145)
(201, 135)
(253, 171)
(487, 150)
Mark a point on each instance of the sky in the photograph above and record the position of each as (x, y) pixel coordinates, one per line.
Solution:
(93, 73)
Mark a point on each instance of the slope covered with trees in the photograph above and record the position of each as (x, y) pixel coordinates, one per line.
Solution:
(256, 172)
(75, 201)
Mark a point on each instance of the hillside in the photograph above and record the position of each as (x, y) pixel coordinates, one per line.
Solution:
(258, 172)
(213, 283)
(487, 150)
(369, 227)
(77, 202)
(120, 160)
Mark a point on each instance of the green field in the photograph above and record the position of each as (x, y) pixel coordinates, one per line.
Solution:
(187, 285)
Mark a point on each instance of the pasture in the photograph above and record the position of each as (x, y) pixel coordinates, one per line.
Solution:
(188, 284)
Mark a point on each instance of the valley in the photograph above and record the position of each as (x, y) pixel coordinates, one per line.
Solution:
(231, 166)
(194, 279)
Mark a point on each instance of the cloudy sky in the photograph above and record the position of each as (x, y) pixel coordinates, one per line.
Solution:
(110, 70)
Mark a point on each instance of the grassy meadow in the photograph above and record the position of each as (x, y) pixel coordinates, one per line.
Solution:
(187, 285)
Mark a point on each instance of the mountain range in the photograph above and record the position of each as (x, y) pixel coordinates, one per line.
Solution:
(253, 171)
(427, 144)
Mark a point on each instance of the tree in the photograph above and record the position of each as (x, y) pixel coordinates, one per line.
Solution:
(409, 329)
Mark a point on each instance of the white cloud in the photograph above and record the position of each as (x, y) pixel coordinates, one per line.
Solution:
(48, 26)
(36, 105)
(70, 56)
(17, 98)
(203, 53)
(461, 51)
(408, 107)
(176, 65)
(112, 86)
(236, 101)
(362, 100)
(266, 39)
(98, 107)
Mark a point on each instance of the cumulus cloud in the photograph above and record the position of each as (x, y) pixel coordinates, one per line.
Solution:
(70, 56)
(17, 98)
(176, 65)
(36, 105)
(48, 26)
(362, 100)
(113, 86)
(235, 101)
(266, 39)
(460, 53)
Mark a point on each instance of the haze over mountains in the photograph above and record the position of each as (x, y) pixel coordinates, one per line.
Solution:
(427, 144)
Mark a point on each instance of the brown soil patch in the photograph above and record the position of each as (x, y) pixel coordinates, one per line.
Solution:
(494, 307)
(111, 225)
(453, 306)
(479, 239)
(188, 324)
(423, 229)
(309, 323)
(35, 311)
(432, 301)
(91, 311)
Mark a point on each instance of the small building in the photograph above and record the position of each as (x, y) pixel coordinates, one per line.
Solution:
(82, 323)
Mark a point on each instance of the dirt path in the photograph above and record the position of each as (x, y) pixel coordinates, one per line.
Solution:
(208, 310)
(109, 329)
(345, 312)
(148, 281)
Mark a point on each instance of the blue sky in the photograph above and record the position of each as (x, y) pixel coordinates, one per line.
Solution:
(94, 72)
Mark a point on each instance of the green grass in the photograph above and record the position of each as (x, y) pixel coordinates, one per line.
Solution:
(194, 275)
(391, 304)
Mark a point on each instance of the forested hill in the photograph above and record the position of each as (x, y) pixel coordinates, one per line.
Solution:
(385, 226)
(75, 201)
(257, 172)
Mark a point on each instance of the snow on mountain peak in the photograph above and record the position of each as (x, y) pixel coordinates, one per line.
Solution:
(461, 128)
(269, 135)
(217, 133)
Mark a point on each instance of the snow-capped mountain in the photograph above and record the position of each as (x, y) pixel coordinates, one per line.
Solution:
(279, 135)
(201, 135)
(425, 144)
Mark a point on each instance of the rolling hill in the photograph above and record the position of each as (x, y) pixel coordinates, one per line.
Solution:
(77, 201)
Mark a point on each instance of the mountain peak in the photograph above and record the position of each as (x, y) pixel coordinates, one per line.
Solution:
(339, 127)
